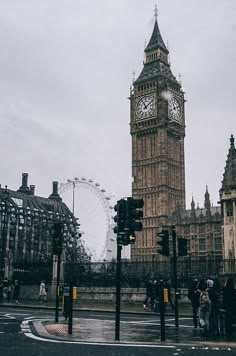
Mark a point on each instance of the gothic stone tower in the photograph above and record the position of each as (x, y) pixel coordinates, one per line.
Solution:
(157, 125)
(228, 203)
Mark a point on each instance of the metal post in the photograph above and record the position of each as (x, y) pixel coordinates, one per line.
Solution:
(73, 198)
(70, 321)
(173, 232)
(162, 311)
(5, 197)
(57, 287)
(118, 270)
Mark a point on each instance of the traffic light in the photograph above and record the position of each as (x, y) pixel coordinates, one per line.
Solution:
(120, 208)
(134, 213)
(164, 243)
(182, 247)
(124, 239)
(57, 239)
(128, 212)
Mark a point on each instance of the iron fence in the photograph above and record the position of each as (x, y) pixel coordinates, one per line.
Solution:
(33, 273)
(133, 274)
(136, 274)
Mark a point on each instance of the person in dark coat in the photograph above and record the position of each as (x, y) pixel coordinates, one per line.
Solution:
(1, 290)
(149, 294)
(5, 288)
(193, 296)
(217, 308)
(16, 294)
(228, 303)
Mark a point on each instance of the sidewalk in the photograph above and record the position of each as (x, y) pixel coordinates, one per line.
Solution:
(136, 331)
(184, 308)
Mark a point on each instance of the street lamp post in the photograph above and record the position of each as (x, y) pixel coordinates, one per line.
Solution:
(4, 211)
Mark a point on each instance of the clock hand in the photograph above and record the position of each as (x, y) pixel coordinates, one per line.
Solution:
(148, 104)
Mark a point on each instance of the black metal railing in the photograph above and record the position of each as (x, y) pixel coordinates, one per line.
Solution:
(133, 274)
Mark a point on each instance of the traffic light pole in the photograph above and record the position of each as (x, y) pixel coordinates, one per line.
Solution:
(173, 233)
(118, 270)
(57, 287)
(162, 312)
(70, 321)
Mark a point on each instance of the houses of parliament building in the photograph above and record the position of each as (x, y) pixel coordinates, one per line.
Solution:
(157, 127)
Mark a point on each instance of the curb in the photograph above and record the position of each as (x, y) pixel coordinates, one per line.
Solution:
(87, 309)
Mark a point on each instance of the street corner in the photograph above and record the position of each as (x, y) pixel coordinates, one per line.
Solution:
(48, 329)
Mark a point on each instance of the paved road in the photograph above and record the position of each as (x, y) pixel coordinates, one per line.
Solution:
(15, 340)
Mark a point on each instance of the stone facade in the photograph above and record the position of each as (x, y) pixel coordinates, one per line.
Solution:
(158, 131)
(157, 127)
(26, 226)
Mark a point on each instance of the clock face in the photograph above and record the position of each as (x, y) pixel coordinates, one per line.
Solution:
(175, 111)
(145, 106)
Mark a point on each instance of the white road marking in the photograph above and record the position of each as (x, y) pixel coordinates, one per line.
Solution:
(98, 343)
(9, 316)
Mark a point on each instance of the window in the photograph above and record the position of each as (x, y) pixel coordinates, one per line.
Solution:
(201, 228)
(202, 244)
(217, 243)
(229, 209)
(186, 229)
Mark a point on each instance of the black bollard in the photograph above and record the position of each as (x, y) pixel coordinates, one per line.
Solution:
(162, 311)
(70, 309)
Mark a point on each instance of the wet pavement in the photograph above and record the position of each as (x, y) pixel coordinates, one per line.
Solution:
(137, 331)
(137, 325)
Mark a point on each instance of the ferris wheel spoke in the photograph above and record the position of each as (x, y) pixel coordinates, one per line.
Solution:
(92, 208)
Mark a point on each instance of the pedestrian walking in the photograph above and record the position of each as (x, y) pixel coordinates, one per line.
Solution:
(149, 294)
(212, 296)
(156, 295)
(9, 291)
(205, 307)
(5, 288)
(194, 297)
(228, 303)
(218, 312)
(1, 290)
(42, 291)
(16, 293)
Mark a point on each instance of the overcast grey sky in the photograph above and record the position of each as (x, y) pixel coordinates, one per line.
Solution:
(65, 71)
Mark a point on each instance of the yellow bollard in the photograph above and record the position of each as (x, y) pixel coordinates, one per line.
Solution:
(165, 295)
(74, 294)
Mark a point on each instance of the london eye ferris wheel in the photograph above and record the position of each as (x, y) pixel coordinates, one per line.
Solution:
(93, 206)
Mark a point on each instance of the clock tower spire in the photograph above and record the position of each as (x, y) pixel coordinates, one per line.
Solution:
(157, 127)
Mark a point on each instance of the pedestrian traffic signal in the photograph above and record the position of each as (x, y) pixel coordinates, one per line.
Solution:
(164, 243)
(133, 215)
(123, 239)
(57, 239)
(182, 247)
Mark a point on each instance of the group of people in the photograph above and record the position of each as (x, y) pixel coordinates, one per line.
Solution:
(213, 306)
(9, 290)
(153, 290)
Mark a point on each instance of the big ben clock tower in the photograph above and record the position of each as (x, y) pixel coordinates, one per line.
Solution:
(157, 126)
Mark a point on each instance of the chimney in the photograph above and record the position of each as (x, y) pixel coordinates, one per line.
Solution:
(32, 189)
(24, 187)
(55, 194)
